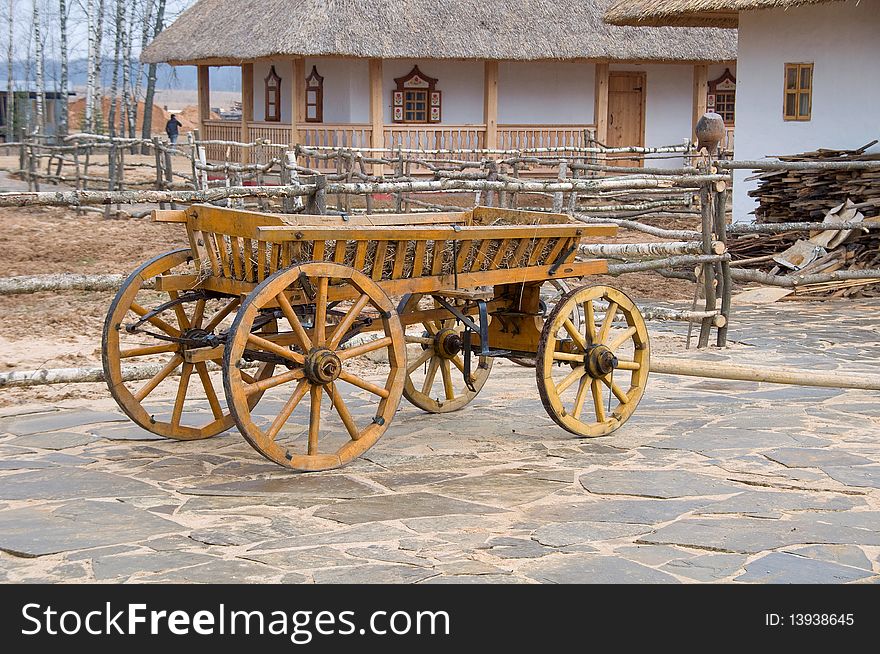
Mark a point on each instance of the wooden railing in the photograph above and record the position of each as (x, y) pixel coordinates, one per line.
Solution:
(352, 135)
(222, 130)
(435, 137)
(727, 143)
(523, 137)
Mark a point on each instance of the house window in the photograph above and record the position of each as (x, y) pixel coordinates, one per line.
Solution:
(416, 99)
(798, 92)
(273, 96)
(722, 97)
(314, 97)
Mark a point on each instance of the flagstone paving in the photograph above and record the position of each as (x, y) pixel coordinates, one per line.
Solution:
(711, 481)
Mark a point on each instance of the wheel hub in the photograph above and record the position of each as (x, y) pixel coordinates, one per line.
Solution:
(600, 361)
(448, 343)
(322, 366)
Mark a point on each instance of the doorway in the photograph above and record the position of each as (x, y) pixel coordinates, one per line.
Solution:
(626, 113)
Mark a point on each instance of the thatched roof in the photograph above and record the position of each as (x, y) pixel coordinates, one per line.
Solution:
(230, 31)
(692, 13)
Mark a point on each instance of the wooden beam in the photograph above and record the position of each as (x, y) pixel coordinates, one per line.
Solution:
(204, 96)
(701, 91)
(377, 106)
(601, 96)
(247, 106)
(298, 98)
(490, 104)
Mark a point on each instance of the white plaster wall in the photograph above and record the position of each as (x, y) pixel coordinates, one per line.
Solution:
(460, 81)
(346, 88)
(284, 69)
(841, 39)
(546, 92)
(669, 105)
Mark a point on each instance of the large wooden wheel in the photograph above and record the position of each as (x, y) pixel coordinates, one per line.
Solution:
(435, 379)
(591, 379)
(311, 343)
(161, 340)
(552, 291)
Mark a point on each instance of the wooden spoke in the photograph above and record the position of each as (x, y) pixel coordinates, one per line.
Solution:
(147, 350)
(185, 374)
(419, 361)
(458, 362)
(572, 377)
(447, 379)
(294, 321)
(321, 311)
(565, 356)
(621, 338)
(198, 313)
(246, 377)
(347, 321)
(156, 379)
(287, 409)
(606, 324)
(430, 327)
(628, 365)
(581, 396)
(622, 397)
(421, 340)
(218, 317)
(575, 334)
(210, 393)
(269, 346)
(156, 321)
(364, 384)
(590, 314)
(314, 419)
(342, 410)
(430, 375)
(271, 382)
(358, 350)
(598, 404)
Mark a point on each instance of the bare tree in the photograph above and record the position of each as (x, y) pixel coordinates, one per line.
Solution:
(40, 72)
(146, 131)
(146, 30)
(129, 112)
(95, 25)
(61, 103)
(10, 83)
(119, 32)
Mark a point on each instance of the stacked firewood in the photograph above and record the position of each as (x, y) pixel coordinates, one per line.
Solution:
(807, 195)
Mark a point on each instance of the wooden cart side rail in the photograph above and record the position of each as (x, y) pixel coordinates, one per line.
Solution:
(482, 215)
(395, 287)
(417, 233)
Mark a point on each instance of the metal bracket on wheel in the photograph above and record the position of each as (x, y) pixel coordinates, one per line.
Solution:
(470, 326)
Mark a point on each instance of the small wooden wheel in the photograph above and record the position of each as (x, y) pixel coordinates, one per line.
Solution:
(157, 341)
(597, 362)
(552, 291)
(436, 345)
(311, 344)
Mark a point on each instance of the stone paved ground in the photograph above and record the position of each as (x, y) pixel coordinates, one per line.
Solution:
(710, 481)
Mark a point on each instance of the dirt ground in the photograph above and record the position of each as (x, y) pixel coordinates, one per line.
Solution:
(57, 330)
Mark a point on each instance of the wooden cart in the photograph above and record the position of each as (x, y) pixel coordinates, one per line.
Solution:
(301, 304)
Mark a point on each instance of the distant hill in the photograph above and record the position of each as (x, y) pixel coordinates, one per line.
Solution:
(181, 77)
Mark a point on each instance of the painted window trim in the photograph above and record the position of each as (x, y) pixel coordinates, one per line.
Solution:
(433, 98)
(796, 92)
(315, 83)
(272, 110)
(712, 100)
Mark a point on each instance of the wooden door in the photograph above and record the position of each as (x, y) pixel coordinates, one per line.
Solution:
(626, 113)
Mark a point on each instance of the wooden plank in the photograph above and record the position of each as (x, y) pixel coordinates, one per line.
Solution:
(222, 254)
(520, 250)
(379, 261)
(318, 250)
(464, 251)
(261, 260)
(377, 107)
(411, 233)
(419, 258)
(235, 254)
(168, 216)
(520, 216)
(249, 263)
(499, 254)
(701, 91)
(600, 115)
(339, 251)
(490, 103)
(480, 256)
(204, 86)
(437, 256)
(360, 255)
(298, 98)
(399, 259)
(538, 248)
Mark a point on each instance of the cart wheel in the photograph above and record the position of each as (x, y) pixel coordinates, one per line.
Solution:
(552, 291)
(147, 344)
(311, 344)
(435, 345)
(576, 363)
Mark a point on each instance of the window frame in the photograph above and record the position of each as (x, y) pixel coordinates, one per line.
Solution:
(725, 81)
(425, 87)
(314, 83)
(272, 110)
(797, 92)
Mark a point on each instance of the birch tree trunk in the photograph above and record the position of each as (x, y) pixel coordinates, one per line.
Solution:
(146, 30)
(10, 87)
(130, 113)
(91, 56)
(119, 32)
(99, 62)
(40, 117)
(147, 130)
(61, 103)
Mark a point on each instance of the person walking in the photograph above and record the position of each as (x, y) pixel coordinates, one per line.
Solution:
(172, 129)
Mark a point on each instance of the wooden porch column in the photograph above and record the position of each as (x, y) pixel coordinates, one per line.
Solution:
(701, 90)
(298, 98)
(377, 106)
(490, 104)
(204, 97)
(601, 96)
(247, 106)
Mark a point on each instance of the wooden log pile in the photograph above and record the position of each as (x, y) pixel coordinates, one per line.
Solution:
(807, 195)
